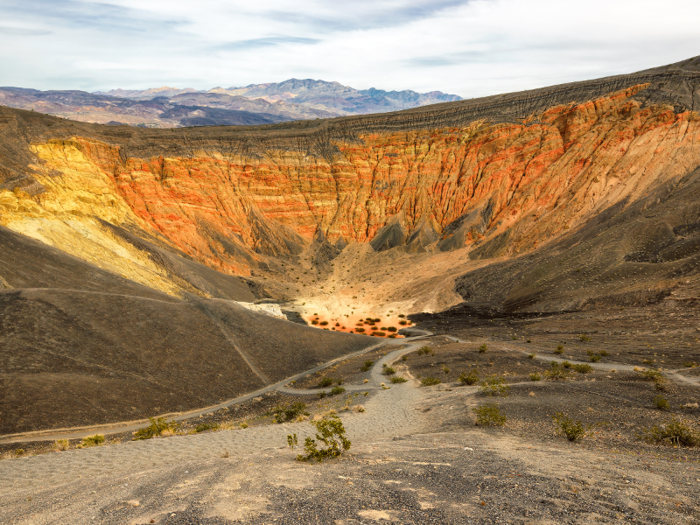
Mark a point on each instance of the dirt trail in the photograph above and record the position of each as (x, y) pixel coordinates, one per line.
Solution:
(391, 412)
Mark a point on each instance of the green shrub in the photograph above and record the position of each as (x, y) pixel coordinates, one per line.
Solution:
(404, 357)
(529, 341)
(336, 390)
(494, 386)
(93, 441)
(388, 371)
(535, 377)
(284, 413)
(584, 338)
(489, 415)
(378, 334)
(604, 353)
(398, 379)
(325, 382)
(514, 338)
(331, 433)
(323, 323)
(556, 372)
(572, 430)
(360, 330)
(445, 369)
(594, 358)
(368, 364)
(403, 323)
(483, 349)
(690, 364)
(583, 368)
(430, 381)
(424, 350)
(471, 378)
(156, 428)
(203, 427)
(677, 433)
(391, 329)
(661, 403)
(559, 350)
(531, 356)
(652, 375)
(567, 365)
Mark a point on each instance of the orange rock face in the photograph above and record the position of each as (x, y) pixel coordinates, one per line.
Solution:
(532, 180)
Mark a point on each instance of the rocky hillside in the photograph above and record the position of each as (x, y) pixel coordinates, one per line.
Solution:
(489, 178)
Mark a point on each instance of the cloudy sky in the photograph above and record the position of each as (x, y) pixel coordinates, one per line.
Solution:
(467, 47)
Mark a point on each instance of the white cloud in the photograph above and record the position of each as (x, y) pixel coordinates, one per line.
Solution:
(467, 47)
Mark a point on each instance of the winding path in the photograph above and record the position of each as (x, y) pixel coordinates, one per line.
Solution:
(390, 412)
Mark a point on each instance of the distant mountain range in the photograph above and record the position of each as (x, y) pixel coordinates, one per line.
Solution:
(256, 104)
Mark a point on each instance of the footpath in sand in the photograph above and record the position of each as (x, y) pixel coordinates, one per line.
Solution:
(388, 413)
(416, 458)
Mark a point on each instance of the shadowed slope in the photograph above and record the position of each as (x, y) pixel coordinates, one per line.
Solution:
(80, 346)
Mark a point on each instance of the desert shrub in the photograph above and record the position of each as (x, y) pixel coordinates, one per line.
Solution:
(378, 334)
(651, 375)
(531, 356)
(402, 315)
(513, 338)
(535, 377)
(583, 368)
(529, 341)
(604, 353)
(572, 430)
(584, 338)
(323, 394)
(383, 328)
(391, 329)
(284, 413)
(325, 382)
(388, 371)
(360, 330)
(677, 433)
(661, 403)
(339, 381)
(93, 441)
(314, 321)
(559, 350)
(446, 369)
(593, 357)
(19, 452)
(556, 372)
(323, 323)
(494, 386)
(567, 365)
(331, 433)
(489, 415)
(244, 425)
(403, 323)
(336, 390)
(430, 381)
(690, 364)
(203, 427)
(368, 364)
(424, 350)
(483, 349)
(156, 428)
(404, 357)
(471, 378)
(61, 444)
(398, 379)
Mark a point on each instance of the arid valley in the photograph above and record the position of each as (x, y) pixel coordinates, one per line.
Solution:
(495, 299)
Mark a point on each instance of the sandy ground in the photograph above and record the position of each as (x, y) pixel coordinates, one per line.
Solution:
(416, 457)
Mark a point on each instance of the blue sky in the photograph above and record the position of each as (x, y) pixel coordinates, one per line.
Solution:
(467, 47)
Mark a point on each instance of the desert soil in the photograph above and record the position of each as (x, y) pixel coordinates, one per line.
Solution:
(416, 455)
